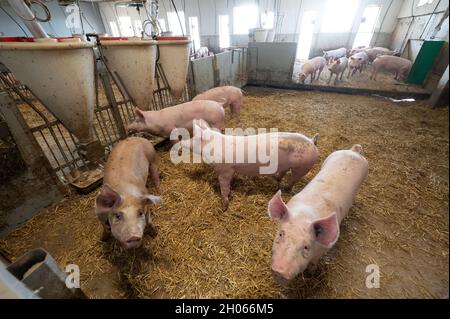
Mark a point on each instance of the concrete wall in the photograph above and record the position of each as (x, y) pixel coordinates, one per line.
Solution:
(57, 25)
(289, 14)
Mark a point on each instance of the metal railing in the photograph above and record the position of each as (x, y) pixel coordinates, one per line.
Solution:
(113, 112)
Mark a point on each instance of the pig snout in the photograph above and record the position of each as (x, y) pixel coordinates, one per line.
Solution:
(280, 278)
(133, 241)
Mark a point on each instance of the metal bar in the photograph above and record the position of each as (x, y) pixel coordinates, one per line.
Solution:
(113, 103)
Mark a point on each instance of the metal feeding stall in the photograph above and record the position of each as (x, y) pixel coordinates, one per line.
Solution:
(76, 98)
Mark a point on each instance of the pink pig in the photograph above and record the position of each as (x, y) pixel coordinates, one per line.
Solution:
(163, 122)
(357, 62)
(337, 66)
(309, 222)
(398, 65)
(228, 95)
(122, 206)
(312, 67)
(294, 152)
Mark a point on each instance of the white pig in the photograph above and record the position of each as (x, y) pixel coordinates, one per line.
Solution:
(338, 66)
(334, 54)
(357, 62)
(163, 122)
(312, 67)
(122, 206)
(309, 222)
(228, 95)
(294, 152)
(398, 65)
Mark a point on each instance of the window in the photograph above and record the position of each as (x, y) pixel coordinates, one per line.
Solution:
(138, 28)
(126, 29)
(424, 2)
(245, 18)
(224, 31)
(162, 25)
(267, 20)
(114, 29)
(174, 23)
(339, 15)
(367, 26)
(194, 32)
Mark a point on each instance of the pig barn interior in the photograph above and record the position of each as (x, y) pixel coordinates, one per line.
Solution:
(72, 73)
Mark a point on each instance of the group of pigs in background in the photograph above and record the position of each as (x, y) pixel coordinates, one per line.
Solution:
(342, 59)
(308, 223)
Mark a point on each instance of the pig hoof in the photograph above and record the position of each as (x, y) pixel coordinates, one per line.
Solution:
(225, 205)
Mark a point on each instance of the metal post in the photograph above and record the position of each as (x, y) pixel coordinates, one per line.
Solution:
(24, 12)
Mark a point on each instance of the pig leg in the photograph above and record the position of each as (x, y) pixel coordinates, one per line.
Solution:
(224, 183)
(154, 175)
(236, 109)
(296, 174)
(320, 72)
(280, 176)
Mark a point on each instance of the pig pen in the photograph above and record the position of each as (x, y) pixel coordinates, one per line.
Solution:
(399, 220)
(385, 80)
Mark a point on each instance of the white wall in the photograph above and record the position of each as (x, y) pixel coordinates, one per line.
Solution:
(290, 11)
(56, 26)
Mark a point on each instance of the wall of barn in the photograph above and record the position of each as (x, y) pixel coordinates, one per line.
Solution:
(290, 13)
(417, 24)
(57, 25)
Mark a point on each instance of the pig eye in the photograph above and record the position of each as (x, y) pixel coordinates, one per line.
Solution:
(118, 216)
(140, 213)
(281, 234)
(306, 247)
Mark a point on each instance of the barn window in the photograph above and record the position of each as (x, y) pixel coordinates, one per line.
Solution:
(194, 32)
(224, 31)
(244, 17)
(339, 15)
(174, 23)
(267, 20)
(162, 24)
(114, 29)
(126, 28)
(424, 2)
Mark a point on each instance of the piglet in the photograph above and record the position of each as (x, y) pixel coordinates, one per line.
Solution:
(398, 65)
(123, 203)
(309, 222)
(290, 152)
(163, 122)
(312, 67)
(357, 62)
(228, 95)
(202, 52)
(334, 54)
(338, 66)
(373, 53)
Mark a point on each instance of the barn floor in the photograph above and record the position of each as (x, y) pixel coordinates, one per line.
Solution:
(385, 81)
(399, 220)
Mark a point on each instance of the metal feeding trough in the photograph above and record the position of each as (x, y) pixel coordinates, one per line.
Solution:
(132, 62)
(174, 59)
(61, 74)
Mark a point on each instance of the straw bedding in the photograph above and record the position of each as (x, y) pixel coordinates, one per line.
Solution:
(399, 220)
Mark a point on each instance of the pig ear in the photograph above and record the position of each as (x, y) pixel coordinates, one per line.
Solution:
(107, 200)
(338, 61)
(139, 115)
(151, 199)
(277, 209)
(326, 230)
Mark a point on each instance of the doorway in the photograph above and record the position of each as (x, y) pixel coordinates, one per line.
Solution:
(367, 26)
(306, 35)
